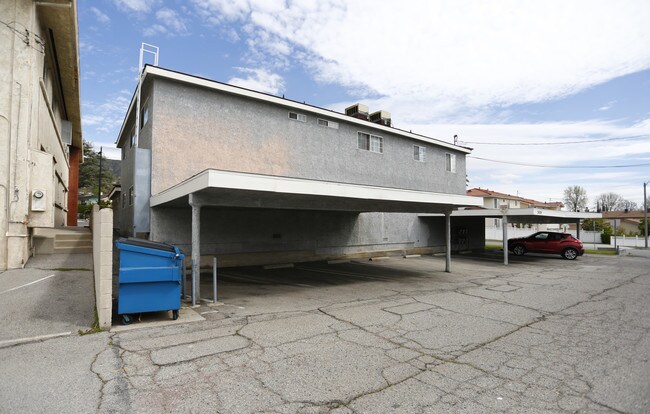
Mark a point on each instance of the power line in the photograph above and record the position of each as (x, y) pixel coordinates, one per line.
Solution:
(560, 166)
(558, 143)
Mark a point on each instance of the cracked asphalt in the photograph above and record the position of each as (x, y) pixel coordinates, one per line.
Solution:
(396, 336)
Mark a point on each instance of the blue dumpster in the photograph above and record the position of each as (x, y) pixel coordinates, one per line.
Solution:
(149, 277)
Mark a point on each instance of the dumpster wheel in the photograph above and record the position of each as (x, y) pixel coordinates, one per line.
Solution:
(126, 319)
(175, 314)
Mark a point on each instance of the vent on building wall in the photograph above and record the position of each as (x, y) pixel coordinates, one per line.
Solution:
(358, 111)
(380, 117)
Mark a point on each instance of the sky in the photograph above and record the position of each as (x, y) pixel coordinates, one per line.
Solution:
(549, 94)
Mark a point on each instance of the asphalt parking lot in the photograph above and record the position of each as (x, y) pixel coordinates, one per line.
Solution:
(394, 336)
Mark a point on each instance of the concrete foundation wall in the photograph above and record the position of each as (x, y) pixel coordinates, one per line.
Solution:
(102, 229)
(260, 236)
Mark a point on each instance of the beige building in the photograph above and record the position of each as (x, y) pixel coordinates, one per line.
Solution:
(40, 122)
(494, 199)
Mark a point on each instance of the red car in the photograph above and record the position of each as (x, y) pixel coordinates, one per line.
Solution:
(547, 242)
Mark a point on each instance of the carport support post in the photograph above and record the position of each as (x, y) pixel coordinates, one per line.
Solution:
(196, 249)
(578, 230)
(504, 222)
(448, 241)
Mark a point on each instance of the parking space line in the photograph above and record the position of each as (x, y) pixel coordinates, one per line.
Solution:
(27, 284)
(11, 342)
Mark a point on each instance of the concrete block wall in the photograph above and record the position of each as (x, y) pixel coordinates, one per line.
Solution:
(102, 229)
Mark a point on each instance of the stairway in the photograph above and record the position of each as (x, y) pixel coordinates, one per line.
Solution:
(62, 240)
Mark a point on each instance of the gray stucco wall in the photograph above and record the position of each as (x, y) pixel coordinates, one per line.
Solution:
(314, 234)
(195, 129)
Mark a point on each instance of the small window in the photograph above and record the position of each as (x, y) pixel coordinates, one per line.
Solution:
(133, 137)
(131, 196)
(496, 203)
(368, 142)
(329, 124)
(450, 161)
(144, 116)
(297, 117)
(419, 153)
(123, 200)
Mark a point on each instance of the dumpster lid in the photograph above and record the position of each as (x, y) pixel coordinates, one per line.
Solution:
(148, 244)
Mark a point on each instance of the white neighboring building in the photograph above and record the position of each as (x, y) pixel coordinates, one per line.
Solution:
(494, 200)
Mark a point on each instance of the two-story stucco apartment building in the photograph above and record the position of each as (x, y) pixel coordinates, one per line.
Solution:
(40, 122)
(256, 178)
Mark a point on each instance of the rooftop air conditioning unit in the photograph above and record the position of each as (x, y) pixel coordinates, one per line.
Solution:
(380, 117)
(358, 111)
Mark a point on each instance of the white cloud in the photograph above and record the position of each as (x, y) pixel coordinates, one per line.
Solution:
(154, 29)
(136, 5)
(441, 56)
(168, 23)
(259, 80)
(548, 183)
(172, 20)
(100, 16)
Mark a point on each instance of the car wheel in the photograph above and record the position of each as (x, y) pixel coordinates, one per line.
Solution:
(570, 253)
(519, 250)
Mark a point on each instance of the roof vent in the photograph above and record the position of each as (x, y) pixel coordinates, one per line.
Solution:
(380, 117)
(358, 111)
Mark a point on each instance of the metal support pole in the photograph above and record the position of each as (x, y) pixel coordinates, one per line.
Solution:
(193, 283)
(578, 230)
(645, 215)
(196, 249)
(99, 181)
(214, 279)
(183, 272)
(504, 219)
(448, 241)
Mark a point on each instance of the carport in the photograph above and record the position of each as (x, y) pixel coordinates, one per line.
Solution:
(217, 188)
(527, 216)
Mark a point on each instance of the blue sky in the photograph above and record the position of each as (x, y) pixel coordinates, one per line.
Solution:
(509, 72)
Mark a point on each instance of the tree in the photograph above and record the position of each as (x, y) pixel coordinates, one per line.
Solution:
(642, 225)
(595, 225)
(614, 202)
(575, 198)
(89, 172)
(609, 202)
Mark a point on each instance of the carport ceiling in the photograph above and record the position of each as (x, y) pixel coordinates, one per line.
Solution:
(529, 215)
(234, 189)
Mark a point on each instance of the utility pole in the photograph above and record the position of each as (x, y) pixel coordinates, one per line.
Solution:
(645, 215)
(99, 189)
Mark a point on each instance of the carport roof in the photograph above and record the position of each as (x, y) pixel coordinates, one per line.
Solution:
(529, 215)
(236, 189)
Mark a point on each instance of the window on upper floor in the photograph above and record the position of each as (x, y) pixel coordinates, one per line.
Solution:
(496, 203)
(369, 142)
(419, 153)
(144, 115)
(450, 162)
(329, 124)
(131, 196)
(297, 117)
(133, 137)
